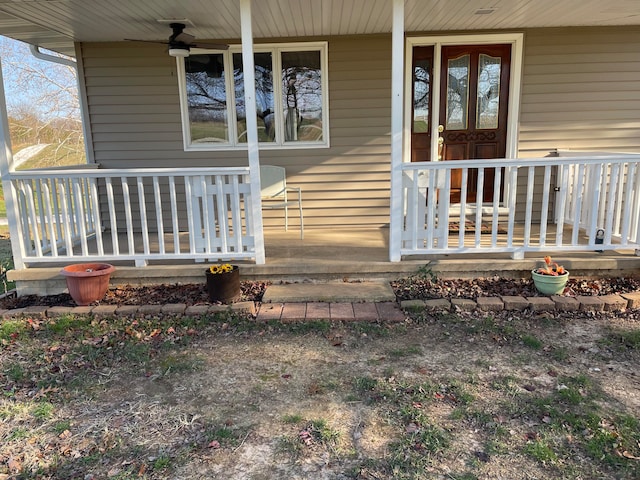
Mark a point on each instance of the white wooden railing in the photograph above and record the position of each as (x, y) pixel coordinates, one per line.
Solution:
(542, 204)
(134, 214)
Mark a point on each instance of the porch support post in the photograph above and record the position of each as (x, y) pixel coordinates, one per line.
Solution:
(248, 69)
(397, 99)
(6, 163)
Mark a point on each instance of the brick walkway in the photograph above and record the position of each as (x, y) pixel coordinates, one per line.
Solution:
(366, 312)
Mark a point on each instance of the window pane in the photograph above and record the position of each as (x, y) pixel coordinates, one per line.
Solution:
(488, 92)
(457, 93)
(421, 95)
(302, 96)
(207, 98)
(264, 97)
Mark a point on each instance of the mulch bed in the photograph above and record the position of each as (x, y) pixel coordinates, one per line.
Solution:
(415, 287)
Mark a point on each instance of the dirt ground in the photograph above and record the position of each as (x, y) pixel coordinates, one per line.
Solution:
(448, 396)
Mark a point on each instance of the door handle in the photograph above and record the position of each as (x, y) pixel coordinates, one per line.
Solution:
(440, 141)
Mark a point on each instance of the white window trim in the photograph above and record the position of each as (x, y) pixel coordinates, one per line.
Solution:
(513, 112)
(275, 49)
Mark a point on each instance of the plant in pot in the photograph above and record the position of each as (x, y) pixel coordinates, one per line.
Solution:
(223, 283)
(551, 278)
(87, 282)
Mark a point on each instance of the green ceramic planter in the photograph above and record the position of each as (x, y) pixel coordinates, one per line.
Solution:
(549, 284)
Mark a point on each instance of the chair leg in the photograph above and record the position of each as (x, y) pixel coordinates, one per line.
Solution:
(286, 218)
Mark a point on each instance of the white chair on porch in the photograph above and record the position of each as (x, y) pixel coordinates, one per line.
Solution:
(273, 181)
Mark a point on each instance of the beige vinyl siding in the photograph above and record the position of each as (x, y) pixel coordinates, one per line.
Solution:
(134, 109)
(581, 90)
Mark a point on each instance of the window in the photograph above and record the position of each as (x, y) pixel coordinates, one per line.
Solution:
(291, 97)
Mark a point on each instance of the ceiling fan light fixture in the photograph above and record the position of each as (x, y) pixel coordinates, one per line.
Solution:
(179, 52)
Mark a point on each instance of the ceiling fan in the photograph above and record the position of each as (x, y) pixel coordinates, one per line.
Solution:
(180, 42)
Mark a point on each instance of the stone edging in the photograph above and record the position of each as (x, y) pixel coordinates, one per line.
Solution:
(602, 303)
(176, 309)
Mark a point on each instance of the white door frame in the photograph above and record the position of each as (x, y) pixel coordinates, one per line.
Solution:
(517, 48)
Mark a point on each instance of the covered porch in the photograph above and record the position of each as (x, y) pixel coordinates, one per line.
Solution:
(163, 223)
(344, 255)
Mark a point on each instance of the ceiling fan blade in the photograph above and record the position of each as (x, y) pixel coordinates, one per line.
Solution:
(213, 46)
(147, 41)
(183, 38)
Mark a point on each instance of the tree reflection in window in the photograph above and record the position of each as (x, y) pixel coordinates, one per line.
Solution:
(207, 98)
(302, 96)
(298, 82)
(488, 92)
(421, 95)
(457, 93)
(264, 97)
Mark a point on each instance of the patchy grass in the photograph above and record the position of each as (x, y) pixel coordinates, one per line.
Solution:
(458, 396)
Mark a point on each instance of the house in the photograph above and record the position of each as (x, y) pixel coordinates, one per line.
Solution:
(455, 127)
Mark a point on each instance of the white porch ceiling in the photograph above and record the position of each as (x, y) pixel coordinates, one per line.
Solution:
(57, 24)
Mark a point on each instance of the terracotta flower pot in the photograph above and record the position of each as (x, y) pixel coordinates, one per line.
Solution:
(224, 287)
(550, 284)
(87, 282)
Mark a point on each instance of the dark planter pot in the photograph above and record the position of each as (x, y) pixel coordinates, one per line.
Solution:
(87, 282)
(224, 287)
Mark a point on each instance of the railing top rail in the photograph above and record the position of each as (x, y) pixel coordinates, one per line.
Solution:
(521, 162)
(128, 172)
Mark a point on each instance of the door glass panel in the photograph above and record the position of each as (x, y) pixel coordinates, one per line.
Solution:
(457, 93)
(302, 96)
(264, 97)
(488, 91)
(206, 98)
(421, 95)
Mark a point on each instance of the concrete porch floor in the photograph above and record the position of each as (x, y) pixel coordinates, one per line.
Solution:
(336, 255)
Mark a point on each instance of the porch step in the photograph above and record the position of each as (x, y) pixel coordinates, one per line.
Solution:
(331, 292)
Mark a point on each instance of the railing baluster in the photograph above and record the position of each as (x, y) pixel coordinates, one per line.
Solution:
(462, 220)
(614, 171)
(144, 227)
(628, 206)
(635, 209)
(596, 182)
(236, 226)
(190, 198)
(619, 211)
(80, 215)
(174, 214)
(561, 199)
(112, 216)
(222, 224)
(95, 215)
(157, 197)
(126, 196)
(544, 211)
(431, 209)
(497, 182)
(578, 201)
(50, 223)
(479, 204)
(443, 210)
(511, 203)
